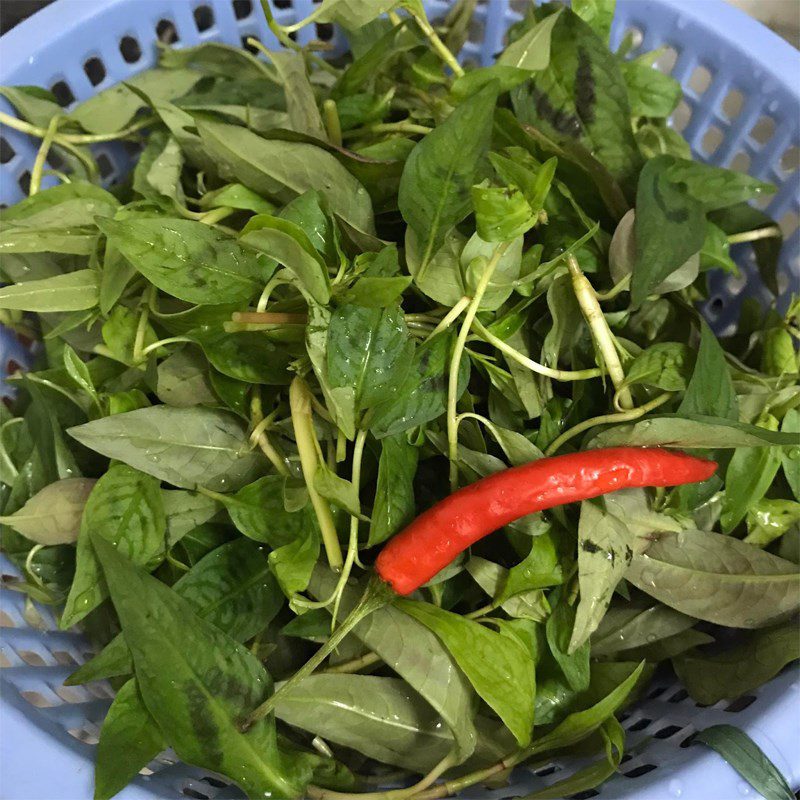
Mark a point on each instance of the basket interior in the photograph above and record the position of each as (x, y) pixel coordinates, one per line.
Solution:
(733, 115)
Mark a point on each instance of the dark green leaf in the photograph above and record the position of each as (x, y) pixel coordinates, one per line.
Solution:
(196, 681)
(394, 493)
(423, 395)
(740, 669)
(680, 430)
(282, 170)
(580, 98)
(368, 350)
(417, 656)
(710, 391)
(482, 653)
(435, 187)
(748, 759)
(717, 578)
(669, 227)
(74, 291)
(570, 651)
(248, 356)
(187, 447)
(129, 740)
(188, 259)
(126, 508)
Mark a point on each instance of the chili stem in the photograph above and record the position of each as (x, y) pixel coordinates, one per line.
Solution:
(770, 232)
(438, 45)
(367, 660)
(41, 156)
(623, 416)
(535, 366)
(587, 300)
(452, 315)
(332, 124)
(308, 447)
(455, 361)
(376, 596)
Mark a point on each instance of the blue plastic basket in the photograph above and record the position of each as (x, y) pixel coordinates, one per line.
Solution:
(742, 108)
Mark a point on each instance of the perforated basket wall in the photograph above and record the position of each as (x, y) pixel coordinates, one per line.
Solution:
(742, 109)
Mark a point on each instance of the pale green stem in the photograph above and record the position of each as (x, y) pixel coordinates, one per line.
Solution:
(268, 449)
(74, 138)
(290, 44)
(271, 284)
(141, 328)
(57, 173)
(604, 419)
(770, 232)
(587, 300)
(332, 124)
(452, 315)
(455, 361)
(12, 470)
(615, 290)
(352, 544)
(308, 447)
(41, 156)
(216, 215)
(535, 366)
(161, 342)
(438, 45)
(348, 667)
(29, 566)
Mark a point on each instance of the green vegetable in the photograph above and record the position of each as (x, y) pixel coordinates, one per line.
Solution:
(748, 759)
(457, 269)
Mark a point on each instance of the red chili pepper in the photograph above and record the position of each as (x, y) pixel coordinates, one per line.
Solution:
(438, 535)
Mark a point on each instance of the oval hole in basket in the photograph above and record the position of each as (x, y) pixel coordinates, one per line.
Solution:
(681, 116)
(712, 139)
(95, 70)
(636, 37)
(166, 32)
(325, 31)
(637, 772)
(740, 162)
(63, 93)
(188, 791)
(37, 699)
(203, 18)
(732, 103)
(283, 3)
(790, 160)
(741, 703)
(24, 182)
(789, 223)
(7, 152)
(666, 61)
(587, 795)
(242, 9)
(700, 79)
(130, 49)
(82, 735)
(762, 131)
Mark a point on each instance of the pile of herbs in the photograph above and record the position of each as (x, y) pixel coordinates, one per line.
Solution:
(455, 271)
